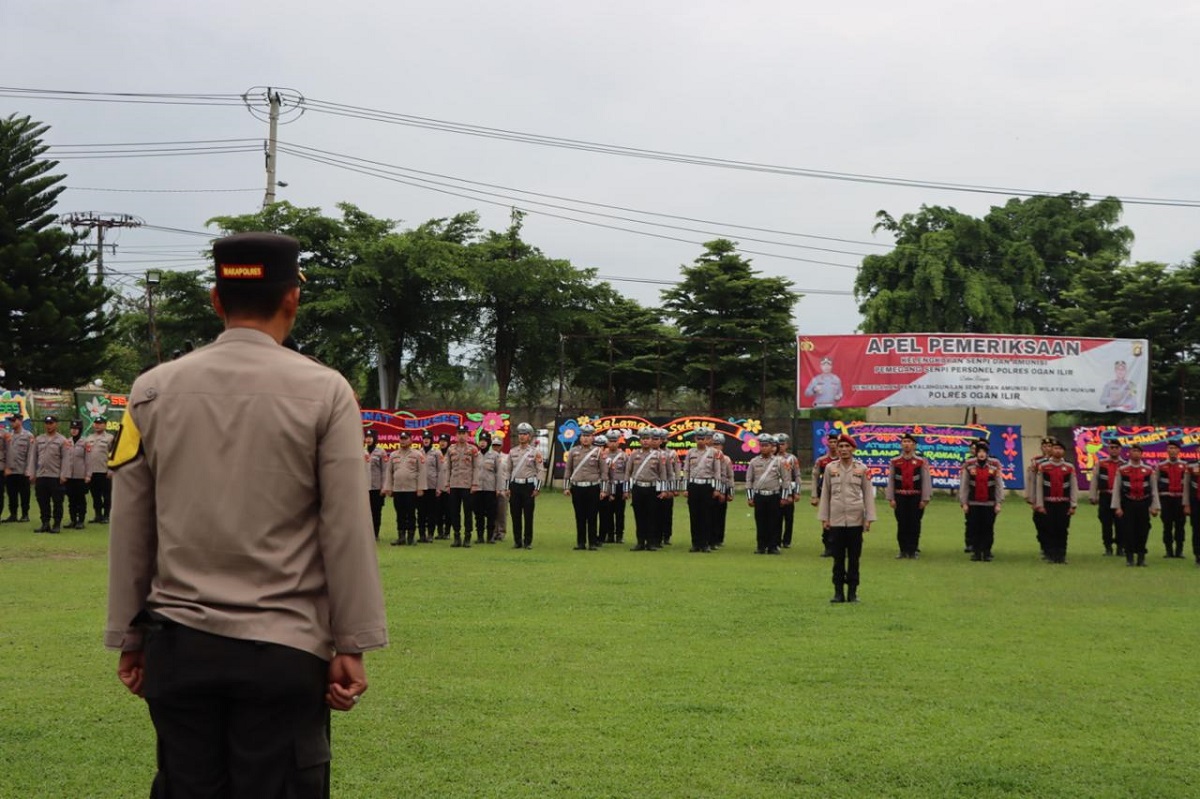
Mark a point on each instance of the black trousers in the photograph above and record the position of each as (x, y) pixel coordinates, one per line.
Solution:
(484, 507)
(520, 509)
(981, 526)
(612, 518)
(427, 514)
(766, 521)
(788, 512)
(3, 495)
(405, 505)
(101, 488)
(1056, 524)
(77, 500)
(720, 512)
(586, 502)
(645, 515)
(1196, 527)
(460, 511)
(375, 497)
(667, 518)
(443, 519)
(49, 499)
(1039, 526)
(17, 486)
(846, 544)
(699, 502)
(236, 719)
(1135, 525)
(908, 512)
(1172, 522)
(1109, 533)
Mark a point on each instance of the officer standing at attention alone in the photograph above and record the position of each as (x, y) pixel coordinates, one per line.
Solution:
(847, 509)
(98, 444)
(242, 622)
(48, 463)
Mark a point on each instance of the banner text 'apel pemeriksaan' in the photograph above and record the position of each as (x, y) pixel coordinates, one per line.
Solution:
(1001, 371)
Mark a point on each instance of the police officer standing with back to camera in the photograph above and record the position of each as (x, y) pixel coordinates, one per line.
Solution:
(243, 622)
(1104, 477)
(98, 443)
(16, 464)
(1173, 494)
(582, 475)
(524, 484)
(908, 492)
(48, 464)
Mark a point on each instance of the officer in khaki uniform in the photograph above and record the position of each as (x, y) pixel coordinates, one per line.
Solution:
(524, 484)
(375, 461)
(500, 523)
(462, 457)
(5, 437)
(582, 476)
(76, 476)
(243, 621)
(16, 481)
(404, 481)
(429, 509)
(491, 478)
(846, 510)
(98, 443)
(47, 467)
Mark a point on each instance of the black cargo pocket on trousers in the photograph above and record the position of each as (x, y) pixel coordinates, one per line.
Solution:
(311, 773)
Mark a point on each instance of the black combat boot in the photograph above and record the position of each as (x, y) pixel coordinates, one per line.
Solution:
(839, 594)
(852, 594)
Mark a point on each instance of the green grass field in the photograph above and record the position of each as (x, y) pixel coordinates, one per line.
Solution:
(554, 673)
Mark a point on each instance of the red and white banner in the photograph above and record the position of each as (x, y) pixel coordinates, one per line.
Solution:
(956, 369)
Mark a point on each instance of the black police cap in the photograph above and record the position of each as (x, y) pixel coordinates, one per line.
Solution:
(247, 259)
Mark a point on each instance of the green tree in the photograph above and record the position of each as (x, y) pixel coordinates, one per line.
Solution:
(523, 303)
(52, 319)
(624, 357)
(739, 339)
(1004, 273)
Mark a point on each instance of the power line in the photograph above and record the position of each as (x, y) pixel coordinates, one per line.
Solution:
(410, 171)
(159, 191)
(419, 183)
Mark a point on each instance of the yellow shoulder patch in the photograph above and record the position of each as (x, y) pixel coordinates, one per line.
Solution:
(126, 444)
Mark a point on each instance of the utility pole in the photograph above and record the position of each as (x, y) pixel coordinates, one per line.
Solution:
(281, 107)
(274, 100)
(100, 222)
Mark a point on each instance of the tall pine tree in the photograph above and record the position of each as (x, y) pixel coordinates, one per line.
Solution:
(53, 327)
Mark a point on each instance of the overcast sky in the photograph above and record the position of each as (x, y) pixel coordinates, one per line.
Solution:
(1096, 97)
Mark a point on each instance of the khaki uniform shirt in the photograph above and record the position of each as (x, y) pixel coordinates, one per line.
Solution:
(847, 495)
(492, 472)
(20, 444)
(287, 554)
(583, 465)
(765, 475)
(405, 472)
(375, 464)
(98, 445)
(700, 465)
(652, 467)
(48, 457)
(527, 464)
(77, 459)
(461, 460)
(434, 464)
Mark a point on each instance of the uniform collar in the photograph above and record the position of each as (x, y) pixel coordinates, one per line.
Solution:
(247, 334)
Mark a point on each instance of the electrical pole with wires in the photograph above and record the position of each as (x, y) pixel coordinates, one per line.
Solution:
(100, 222)
(275, 100)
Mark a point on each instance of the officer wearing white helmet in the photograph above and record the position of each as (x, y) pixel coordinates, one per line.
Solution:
(525, 481)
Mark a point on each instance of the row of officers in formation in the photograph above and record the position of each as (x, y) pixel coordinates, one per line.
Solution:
(55, 467)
